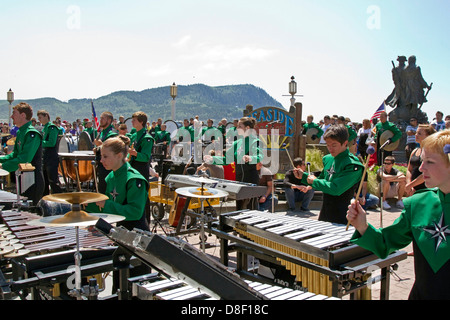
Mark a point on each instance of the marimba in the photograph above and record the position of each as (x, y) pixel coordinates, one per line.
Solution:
(318, 254)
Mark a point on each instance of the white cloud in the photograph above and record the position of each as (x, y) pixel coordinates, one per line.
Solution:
(182, 42)
(214, 56)
(159, 71)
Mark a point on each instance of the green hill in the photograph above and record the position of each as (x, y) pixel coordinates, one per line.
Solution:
(198, 99)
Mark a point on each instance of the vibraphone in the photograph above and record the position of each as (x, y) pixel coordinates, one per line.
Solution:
(185, 273)
(157, 287)
(38, 248)
(318, 254)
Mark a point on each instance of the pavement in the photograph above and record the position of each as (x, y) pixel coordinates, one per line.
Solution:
(402, 279)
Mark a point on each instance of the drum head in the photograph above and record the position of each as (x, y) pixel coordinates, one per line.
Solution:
(229, 125)
(63, 145)
(129, 125)
(383, 138)
(311, 132)
(172, 128)
(85, 142)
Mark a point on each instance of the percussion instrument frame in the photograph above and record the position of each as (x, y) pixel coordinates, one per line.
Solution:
(347, 268)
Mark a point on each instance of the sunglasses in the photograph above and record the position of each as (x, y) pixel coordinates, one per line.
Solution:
(388, 163)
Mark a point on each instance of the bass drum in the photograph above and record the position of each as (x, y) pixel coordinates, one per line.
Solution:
(172, 128)
(85, 142)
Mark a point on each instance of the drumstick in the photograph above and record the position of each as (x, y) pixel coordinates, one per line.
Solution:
(290, 159)
(370, 150)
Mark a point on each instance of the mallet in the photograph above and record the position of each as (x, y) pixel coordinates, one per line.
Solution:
(370, 150)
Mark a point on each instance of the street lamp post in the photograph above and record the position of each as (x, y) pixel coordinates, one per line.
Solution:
(10, 98)
(292, 90)
(173, 94)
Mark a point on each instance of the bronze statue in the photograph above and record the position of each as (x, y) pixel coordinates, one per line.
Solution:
(408, 95)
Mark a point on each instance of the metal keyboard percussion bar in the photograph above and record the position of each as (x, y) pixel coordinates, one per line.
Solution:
(52, 249)
(236, 190)
(178, 259)
(322, 245)
(157, 287)
(40, 239)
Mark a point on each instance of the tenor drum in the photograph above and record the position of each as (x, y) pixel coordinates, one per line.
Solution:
(85, 167)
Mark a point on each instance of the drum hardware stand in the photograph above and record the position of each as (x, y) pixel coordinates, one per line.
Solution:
(23, 167)
(202, 196)
(93, 162)
(157, 223)
(76, 218)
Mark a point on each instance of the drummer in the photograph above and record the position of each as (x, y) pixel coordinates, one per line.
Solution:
(50, 153)
(125, 186)
(27, 149)
(312, 125)
(163, 137)
(106, 119)
(381, 127)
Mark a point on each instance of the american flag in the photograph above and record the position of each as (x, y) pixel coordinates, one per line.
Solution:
(94, 115)
(377, 113)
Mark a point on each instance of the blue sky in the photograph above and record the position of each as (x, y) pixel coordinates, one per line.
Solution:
(340, 52)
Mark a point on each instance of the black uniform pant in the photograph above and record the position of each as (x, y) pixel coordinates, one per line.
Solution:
(51, 179)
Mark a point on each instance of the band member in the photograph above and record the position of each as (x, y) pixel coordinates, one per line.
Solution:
(424, 221)
(163, 137)
(312, 125)
(125, 186)
(127, 192)
(142, 145)
(27, 149)
(342, 171)
(245, 152)
(381, 127)
(50, 143)
(106, 127)
(90, 130)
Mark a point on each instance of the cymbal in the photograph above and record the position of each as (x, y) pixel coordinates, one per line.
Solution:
(383, 138)
(75, 219)
(201, 193)
(3, 173)
(11, 142)
(204, 180)
(76, 197)
(4, 135)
